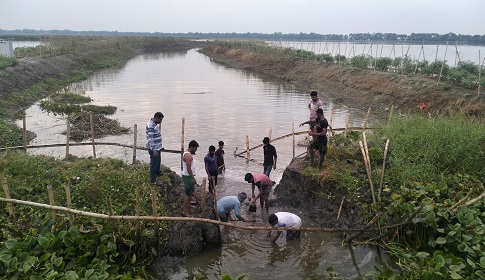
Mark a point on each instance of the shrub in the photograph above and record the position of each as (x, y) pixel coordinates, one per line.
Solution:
(383, 63)
(360, 61)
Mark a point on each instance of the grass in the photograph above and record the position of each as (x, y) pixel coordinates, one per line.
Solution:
(7, 62)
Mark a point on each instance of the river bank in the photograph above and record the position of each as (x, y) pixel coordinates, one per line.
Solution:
(356, 88)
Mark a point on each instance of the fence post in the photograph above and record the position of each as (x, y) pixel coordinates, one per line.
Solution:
(110, 210)
(479, 72)
(293, 136)
(7, 195)
(92, 132)
(51, 202)
(366, 119)
(270, 132)
(203, 195)
(69, 203)
(390, 115)
(346, 125)
(138, 212)
(68, 136)
(155, 223)
(24, 124)
(443, 64)
(247, 149)
(135, 135)
(182, 144)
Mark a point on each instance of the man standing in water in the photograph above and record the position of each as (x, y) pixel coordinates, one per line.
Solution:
(154, 146)
(269, 157)
(264, 185)
(188, 173)
(320, 143)
(210, 162)
(220, 158)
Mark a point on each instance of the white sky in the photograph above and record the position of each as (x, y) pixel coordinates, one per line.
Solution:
(261, 16)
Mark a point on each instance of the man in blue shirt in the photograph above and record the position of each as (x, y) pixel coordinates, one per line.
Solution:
(154, 146)
(228, 203)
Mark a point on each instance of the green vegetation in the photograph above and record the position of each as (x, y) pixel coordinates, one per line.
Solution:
(434, 186)
(465, 74)
(68, 103)
(91, 248)
(7, 62)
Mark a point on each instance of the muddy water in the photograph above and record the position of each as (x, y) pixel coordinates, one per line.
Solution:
(218, 103)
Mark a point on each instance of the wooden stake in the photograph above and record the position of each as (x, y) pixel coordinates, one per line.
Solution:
(182, 144)
(346, 125)
(51, 202)
(390, 115)
(92, 133)
(417, 62)
(110, 210)
(68, 136)
(135, 136)
(138, 212)
(383, 170)
(155, 223)
(340, 208)
(270, 132)
(366, 119)
(442, 64)
(24, 124)
(7, 195)
(69, 202)
(479, 72)
(247, 149)
(293, 137)
(202, 199)
(368, 170)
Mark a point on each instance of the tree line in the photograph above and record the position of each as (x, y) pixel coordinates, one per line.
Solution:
(276, 36)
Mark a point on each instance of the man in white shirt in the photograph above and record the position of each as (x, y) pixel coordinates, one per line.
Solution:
(285, 219)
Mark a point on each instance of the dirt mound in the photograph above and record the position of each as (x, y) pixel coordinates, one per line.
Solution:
(359, 88)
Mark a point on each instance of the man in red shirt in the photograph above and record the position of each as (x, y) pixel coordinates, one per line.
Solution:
(264, 185)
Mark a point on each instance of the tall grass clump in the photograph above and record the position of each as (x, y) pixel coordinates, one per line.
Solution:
(428, 149)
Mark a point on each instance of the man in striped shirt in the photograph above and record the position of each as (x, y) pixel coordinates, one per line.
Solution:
(154, 146)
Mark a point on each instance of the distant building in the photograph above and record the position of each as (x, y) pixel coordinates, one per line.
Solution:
(6, 48)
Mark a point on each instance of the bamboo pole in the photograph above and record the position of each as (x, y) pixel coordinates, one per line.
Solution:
(7, 195)
(293, 138)
(442, 64)
(155, 223)
(436, 56)
(383, 169)
(417, 62)
(216, 212)
(270, 132)
(347, 125)
(366, 119)
(92, 133)
(110, 210)
(340, 208)
(186, 219)
(390, 115)
(247, 149)
(203, 195)
(368, 171)
(135, 136)
(138, 212)
(479, 72)
(69, 202)
(182, 144)
(68, 136)
(24, 131)
(51, 202)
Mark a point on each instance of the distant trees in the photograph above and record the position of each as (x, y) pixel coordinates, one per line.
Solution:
(277, 36)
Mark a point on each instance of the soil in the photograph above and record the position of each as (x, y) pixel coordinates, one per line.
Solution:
(359, 88)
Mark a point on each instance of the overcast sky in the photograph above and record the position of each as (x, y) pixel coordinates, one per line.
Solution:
(261, 16)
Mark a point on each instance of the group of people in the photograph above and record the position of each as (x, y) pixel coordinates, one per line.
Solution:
(214, 165)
